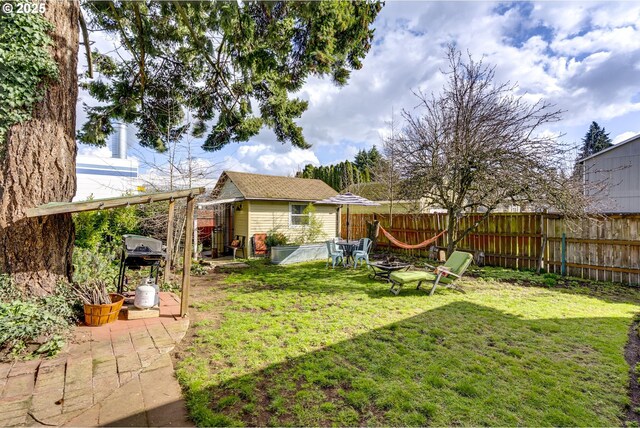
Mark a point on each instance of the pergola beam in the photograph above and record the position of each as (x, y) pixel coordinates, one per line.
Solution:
(100, 204)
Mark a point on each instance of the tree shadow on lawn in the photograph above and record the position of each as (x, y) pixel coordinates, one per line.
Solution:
(314, 277)
(457, 364)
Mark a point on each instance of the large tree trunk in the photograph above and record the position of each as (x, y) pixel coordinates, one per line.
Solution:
(39, 167)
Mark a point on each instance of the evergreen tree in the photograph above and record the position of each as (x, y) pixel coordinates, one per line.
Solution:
(346, 173)
(361, 160)
(232, 65)
(594, 141)
(374, 157)
(308, 171)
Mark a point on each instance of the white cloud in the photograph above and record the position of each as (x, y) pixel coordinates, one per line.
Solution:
(232, 164)
(616, 14)
(624, 136)
(623, 39)
(263, 158)
(566, 18)
(85, 150)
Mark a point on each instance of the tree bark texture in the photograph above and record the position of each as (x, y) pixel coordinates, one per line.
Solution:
(452, 232)
(39, 167)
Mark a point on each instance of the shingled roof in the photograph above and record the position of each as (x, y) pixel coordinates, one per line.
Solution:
(273, 187)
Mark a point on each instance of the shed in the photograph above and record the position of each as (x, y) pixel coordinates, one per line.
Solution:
(612, 177)
(246, 204)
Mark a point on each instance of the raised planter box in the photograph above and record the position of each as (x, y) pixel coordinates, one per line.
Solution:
(288, 254)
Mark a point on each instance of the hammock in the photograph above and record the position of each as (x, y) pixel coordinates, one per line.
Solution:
(400, 244)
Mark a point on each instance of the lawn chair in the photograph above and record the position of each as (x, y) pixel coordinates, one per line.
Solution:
(236, 245)
(452, 269)
(362, 252)
(259, 245)
(334, 254)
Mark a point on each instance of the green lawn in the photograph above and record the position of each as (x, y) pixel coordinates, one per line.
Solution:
(302, 345)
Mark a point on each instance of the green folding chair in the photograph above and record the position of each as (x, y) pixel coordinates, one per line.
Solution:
(452, 269)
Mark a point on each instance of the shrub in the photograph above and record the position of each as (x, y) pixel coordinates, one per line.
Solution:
(275, 238)
(8, 292)
(91, 265)
(25, 322)
(34, 325)
(550, 279)
(64, 303)
(172, 286)
(98, 242)
(103, 230)
(198, 269)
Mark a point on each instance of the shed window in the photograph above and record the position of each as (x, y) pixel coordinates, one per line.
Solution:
(297, 216)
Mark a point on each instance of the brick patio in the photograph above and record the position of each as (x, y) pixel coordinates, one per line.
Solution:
(116, 374)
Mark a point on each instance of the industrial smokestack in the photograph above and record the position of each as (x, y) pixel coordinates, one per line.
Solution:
(119, 141)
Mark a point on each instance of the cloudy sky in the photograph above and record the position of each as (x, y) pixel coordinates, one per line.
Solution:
(582, 56)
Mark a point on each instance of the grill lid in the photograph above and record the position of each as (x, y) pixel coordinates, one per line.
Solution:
(136, 244)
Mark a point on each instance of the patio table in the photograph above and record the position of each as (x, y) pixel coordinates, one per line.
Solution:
(348, 247)
(383, 269)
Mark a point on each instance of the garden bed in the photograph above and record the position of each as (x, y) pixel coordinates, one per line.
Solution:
(288, 254)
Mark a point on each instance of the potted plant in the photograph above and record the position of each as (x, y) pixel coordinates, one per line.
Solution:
(275, 238)
(100, 306)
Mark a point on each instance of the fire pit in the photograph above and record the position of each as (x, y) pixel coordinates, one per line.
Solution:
(383, 268)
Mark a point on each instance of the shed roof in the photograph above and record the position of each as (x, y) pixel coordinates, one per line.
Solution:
(273, 187)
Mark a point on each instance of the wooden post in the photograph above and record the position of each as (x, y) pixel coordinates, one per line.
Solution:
(542, 259)
(541, 256)
(563, 255)
(167, 264)
(188, 253)
(195, 236)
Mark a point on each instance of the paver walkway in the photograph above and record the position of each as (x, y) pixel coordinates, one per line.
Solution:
(116, 374)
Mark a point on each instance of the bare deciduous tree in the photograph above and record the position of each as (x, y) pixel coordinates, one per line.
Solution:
(386, 171)
(477, 146)
(176, 168)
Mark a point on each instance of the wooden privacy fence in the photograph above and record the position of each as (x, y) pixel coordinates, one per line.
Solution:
(604, 249)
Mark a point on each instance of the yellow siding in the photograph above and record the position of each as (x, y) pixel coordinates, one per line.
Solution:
(266, 215)
(240, 221)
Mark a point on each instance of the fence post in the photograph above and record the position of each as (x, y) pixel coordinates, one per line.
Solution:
(563, 265)
(541, 256)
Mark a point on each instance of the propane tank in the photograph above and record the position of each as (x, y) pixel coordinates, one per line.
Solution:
(156, 287)
(145, 295)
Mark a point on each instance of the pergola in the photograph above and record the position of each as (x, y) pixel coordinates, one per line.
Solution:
(53, 208)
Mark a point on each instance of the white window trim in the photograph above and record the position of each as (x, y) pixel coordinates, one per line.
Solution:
(291, 225)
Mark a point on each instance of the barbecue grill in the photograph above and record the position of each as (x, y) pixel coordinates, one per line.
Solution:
(137, 252)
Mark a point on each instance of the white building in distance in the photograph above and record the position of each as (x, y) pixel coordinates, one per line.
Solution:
(107, 177)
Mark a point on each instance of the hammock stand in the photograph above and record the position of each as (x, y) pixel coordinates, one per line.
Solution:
(401, 244)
